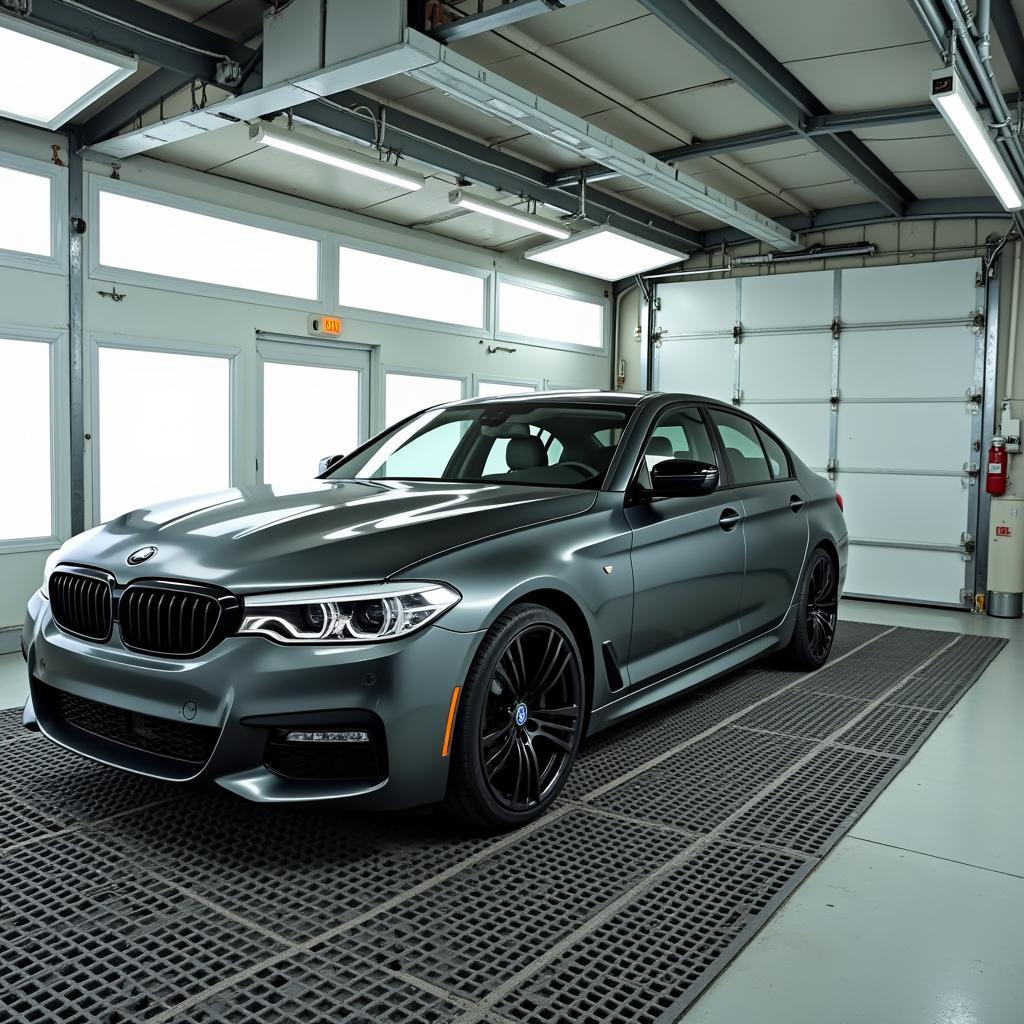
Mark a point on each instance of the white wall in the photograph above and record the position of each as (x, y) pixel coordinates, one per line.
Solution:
(170, 313)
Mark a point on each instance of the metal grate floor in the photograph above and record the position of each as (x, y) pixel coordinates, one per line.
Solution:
(679, 834)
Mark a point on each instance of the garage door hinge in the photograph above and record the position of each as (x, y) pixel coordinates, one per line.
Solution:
(657, 303)
(737, 396)
(737, 332)
(656, 337)
(966, 546)
(967, 597)
(978, 320)
(834, 398)
(974, 397)
(836, 328)
(971, 474)
(832, 467)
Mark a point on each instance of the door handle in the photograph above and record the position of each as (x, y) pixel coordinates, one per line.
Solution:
(796, 502)
(728, 519)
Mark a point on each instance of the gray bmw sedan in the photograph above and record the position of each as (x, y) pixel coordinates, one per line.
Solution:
(444, 613)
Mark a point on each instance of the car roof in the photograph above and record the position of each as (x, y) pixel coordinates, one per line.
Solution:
(588, 396)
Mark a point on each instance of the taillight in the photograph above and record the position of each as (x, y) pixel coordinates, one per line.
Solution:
(839, 501)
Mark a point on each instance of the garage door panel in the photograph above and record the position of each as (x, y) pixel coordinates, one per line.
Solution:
(777, 366)
(927, 436)
(928, 509)
(929, 577)
(698, 307)
(803, 427)
(787, 300)
(916, 291)
(918, 362)
(698, 366)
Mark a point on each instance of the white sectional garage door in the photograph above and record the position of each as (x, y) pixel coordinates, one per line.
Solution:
(868, 374)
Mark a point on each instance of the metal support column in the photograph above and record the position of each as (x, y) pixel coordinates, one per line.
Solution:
(76, 272)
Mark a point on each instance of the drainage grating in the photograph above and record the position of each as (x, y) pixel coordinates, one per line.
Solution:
(10, 724)
(123, 899)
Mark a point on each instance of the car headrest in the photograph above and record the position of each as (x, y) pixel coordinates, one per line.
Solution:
(660, 446)
(525, 453)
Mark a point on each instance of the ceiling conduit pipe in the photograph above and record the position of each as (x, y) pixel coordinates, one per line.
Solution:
(821, 252)
(932, 22)
(519, 38)
(983, 75)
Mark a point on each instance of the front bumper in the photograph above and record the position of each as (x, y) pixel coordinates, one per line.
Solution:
(243, 691)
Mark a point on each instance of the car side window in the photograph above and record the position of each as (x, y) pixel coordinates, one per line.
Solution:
(678, 434)
(777, 457)
(743, 451)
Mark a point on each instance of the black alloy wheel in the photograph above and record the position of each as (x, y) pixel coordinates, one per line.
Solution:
(520, 722)
(817, 613)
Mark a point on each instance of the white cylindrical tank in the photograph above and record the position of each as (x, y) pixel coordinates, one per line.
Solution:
(1006, 557)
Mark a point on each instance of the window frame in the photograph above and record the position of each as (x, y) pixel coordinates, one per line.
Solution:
(98, 271)
(96, 341)
(57, 261)
(296, 351)
(401, 370)
(723, 461)
(790, 475)
(340, 242)
(567, 293)
(492, 378)
(60, 440)
(635, 493)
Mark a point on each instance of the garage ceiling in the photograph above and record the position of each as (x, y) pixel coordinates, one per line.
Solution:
(589, 59)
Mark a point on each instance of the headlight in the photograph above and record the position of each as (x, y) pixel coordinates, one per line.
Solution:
(353, 615)
(51, 563)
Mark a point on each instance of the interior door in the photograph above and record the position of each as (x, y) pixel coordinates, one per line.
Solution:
(688, 559)
(314, 402)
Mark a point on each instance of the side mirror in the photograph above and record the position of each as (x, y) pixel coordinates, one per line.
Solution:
(683, 478)
(328, 462)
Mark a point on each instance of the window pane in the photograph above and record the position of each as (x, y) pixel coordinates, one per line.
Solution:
(25, 439)
(309, 412)
(743, 451)
(25, 212)
(492, 388)
(538, 314)
(406, 393)
(157, 239)
(404, 288)
(164, 427)
(776, 456)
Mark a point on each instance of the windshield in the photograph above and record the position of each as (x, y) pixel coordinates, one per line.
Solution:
(552, 444)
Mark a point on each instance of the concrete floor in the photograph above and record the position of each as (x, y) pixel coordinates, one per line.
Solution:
(915, 916)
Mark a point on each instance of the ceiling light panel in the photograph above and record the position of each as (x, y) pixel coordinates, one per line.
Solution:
(950, 96)
(287, 140)
(605, 253)
(478, 87)
(528, 221)
(47, 78)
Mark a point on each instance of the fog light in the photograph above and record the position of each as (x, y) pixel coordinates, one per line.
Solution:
(352, 736)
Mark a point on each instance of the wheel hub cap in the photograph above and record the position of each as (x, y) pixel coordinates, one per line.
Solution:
(520, 714)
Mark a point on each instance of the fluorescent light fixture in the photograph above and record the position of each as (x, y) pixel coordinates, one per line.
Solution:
(950, 95)
(46, 78)
(605, 253)
(529, 221)
(480, 88)
(289, 141)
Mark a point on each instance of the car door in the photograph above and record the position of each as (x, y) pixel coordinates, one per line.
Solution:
(772, 504)
(687, 557)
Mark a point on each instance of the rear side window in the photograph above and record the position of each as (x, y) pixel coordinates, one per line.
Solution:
(777, 457)
(743, 451)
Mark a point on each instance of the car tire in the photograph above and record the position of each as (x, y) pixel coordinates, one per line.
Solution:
(519, 721)
(817, 608)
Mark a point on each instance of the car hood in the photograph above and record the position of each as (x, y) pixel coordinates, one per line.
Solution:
(265, 537)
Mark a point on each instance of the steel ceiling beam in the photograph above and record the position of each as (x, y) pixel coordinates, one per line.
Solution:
(451, 153)
(719, 37)
(863, 214)
(150, 34)
(508, 13)
(1008, 30)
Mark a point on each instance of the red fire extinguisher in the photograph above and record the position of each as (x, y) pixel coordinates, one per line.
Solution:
(995, 479)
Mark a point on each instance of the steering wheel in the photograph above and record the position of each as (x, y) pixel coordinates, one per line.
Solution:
(580, 467)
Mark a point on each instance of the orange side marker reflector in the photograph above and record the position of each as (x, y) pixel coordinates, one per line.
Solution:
(447, 746)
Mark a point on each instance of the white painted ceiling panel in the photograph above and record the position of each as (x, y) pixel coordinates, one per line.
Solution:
(835, 193)
(583, 19)
(929, 154)
(938, 184)
(715, 110)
